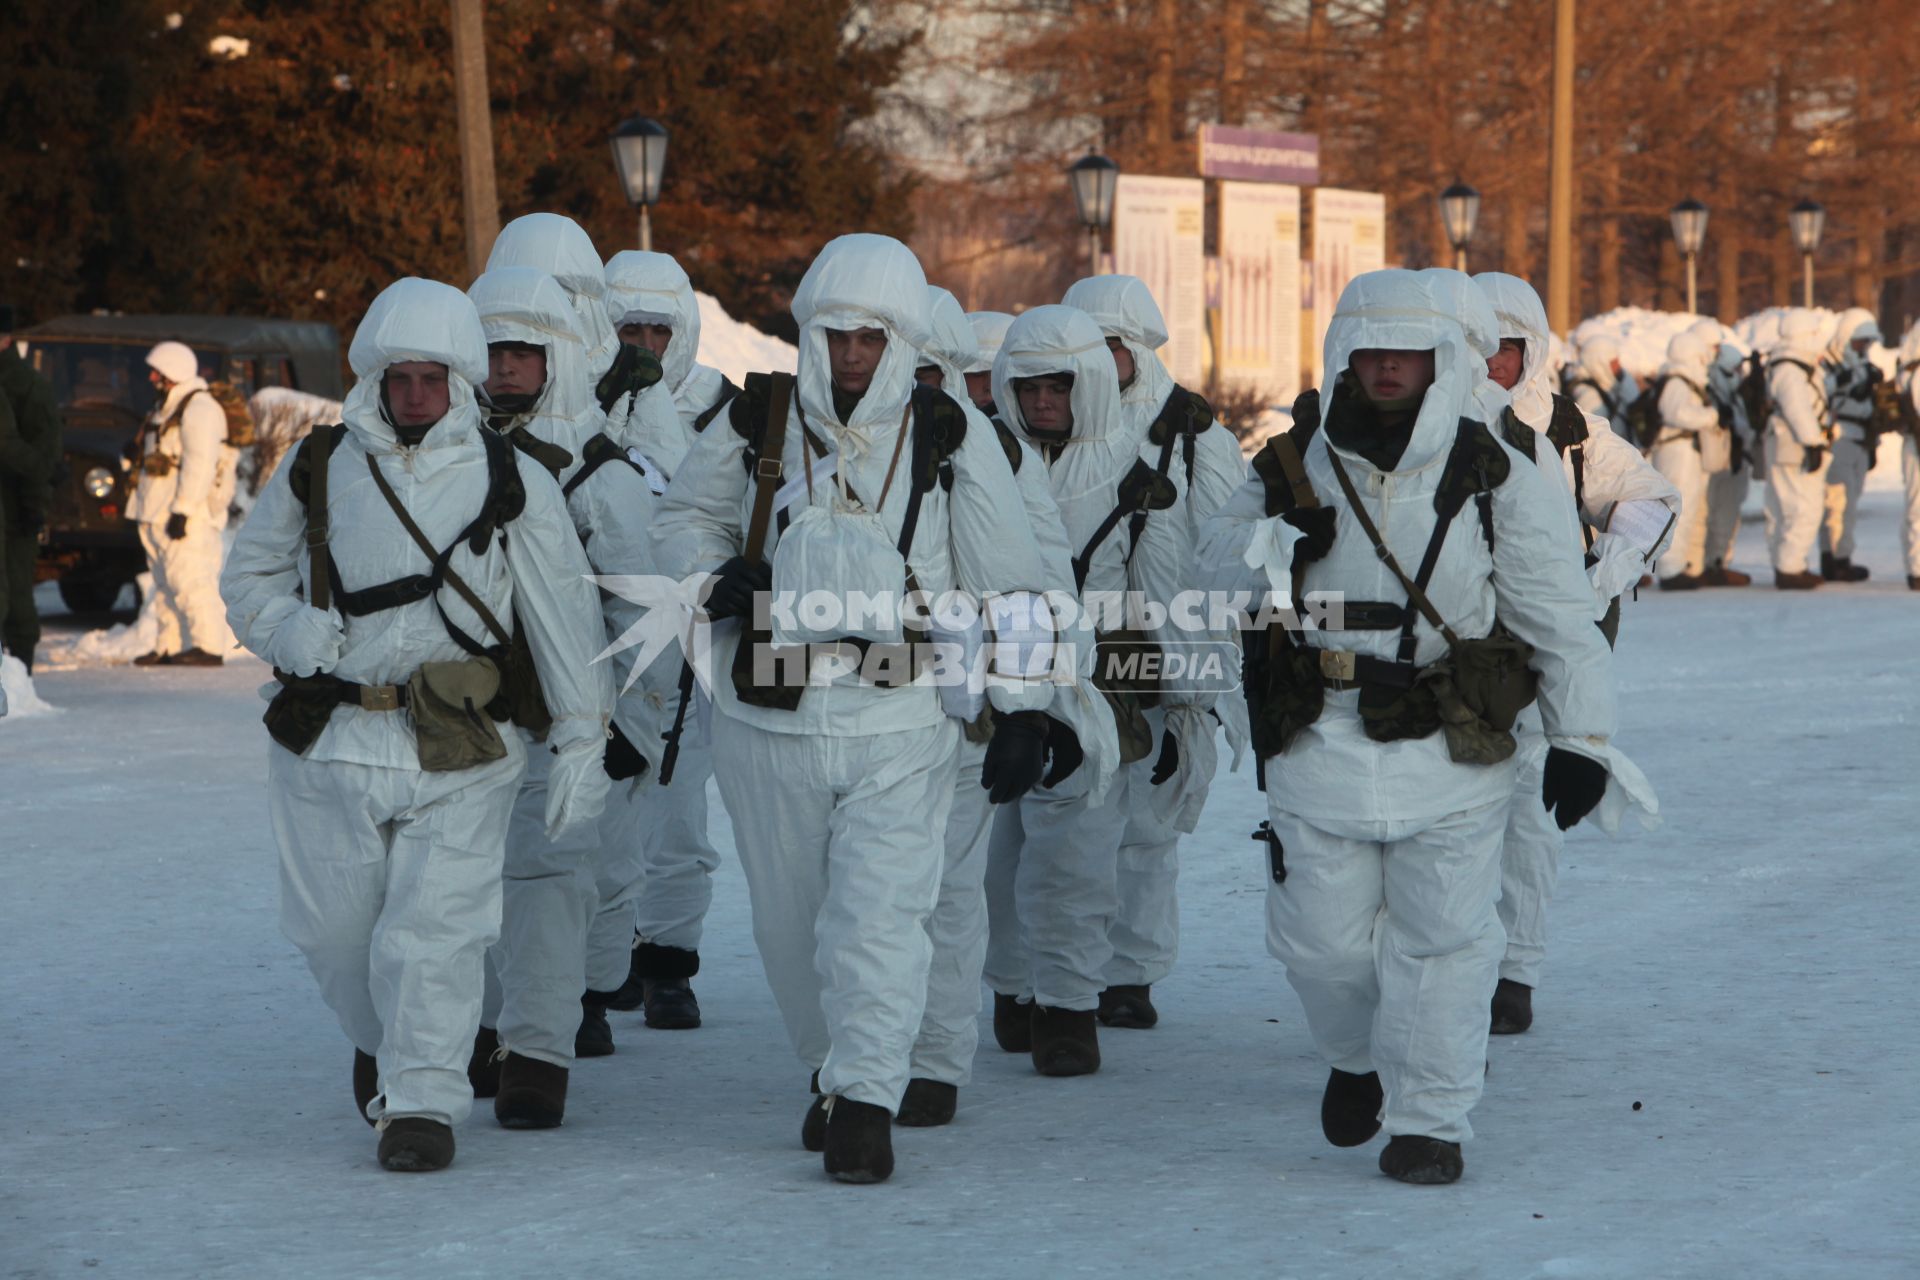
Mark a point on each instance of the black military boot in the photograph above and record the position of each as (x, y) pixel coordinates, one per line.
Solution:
(667, 994)
(859, 1144)
(152, 658)
(813, 1129)
(1426, 1162)
(483, 1068)
(594, 1039)
(1012, 1023)
(1512, 1007)
(927, 1104)
(366, 1082)
(415, 1144)
(1128, 1007)
(533, 1094)
(629, 995)
(1350, 1108)
(1066, 1042)
(1851, 572)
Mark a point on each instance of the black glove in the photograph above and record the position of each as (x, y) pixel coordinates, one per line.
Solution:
(1814, 458)
(730, 594)
(1573, 785)
(1063, 750)
(622, 760)
(1873, 451)
(633, 370)
(1316, 524)
(1169, 762)
(1016, 755)
(176, 526)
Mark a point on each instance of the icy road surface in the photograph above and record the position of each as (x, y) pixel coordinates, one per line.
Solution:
(179, 1100)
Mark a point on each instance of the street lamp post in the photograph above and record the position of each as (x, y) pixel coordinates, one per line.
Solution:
(1806, 221)
(640, 156)
(1689, 219)
(1459, 211)
(1094, 179)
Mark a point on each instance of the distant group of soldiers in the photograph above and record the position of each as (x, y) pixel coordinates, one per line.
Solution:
(1806, 412)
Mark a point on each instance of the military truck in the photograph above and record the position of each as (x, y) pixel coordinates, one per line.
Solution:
(97, 365)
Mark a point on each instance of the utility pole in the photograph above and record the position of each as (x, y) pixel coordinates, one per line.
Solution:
(1560, 177)
(480, 200)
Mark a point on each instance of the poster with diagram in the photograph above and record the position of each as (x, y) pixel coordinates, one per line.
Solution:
(1260, 289)
(1159, 235)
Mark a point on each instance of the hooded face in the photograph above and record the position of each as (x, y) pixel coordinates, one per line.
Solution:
(561, 248)
(1054, 379)
(1046, 405)
(854, 355)
(1400, 333)
(417, 356)
(1124, 309)
(1505, 364)
(869, 290)
(417, 394)
(1389, 375)
(535, 361)
(650, 300)
(515, 370)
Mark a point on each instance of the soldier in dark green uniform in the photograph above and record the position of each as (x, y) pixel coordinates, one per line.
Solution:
(29, 453)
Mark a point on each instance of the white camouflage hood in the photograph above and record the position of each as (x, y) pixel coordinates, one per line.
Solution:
(1401, 310)
(862, 281)
(953, 348)
(560, 247)
(1124, 308)
(521, 304)
(1517, 309)
(415, 319)
(651, 288)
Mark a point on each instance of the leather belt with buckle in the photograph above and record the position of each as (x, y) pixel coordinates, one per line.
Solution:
(382, 697)
(1337, 665)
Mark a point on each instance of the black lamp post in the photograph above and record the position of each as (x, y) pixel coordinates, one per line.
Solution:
(1094, 180)
(1459, 211)
(640, 154)
(1689, 219)
(1806, 221)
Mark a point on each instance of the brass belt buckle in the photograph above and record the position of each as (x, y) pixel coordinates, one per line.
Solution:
(1337, 665)
(380, 697)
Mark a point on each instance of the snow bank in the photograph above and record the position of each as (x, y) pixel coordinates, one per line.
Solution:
(118, 644)
(18, 701)
(737, 349)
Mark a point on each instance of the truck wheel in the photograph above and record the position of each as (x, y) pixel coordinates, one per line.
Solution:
(93, 593)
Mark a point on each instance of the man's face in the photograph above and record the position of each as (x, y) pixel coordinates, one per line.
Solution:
(1122, 360)
(417, 393)
(853, 355)
(1860, 345)
(160, 381)
(654, 337)
(1047, 405)
(1613, 365)
(929, 375)
(980, 388)
(1393, 375)
(1504, 365)
(515, 369)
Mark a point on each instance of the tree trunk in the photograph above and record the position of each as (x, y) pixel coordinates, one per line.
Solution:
(1233, 62)
(1608, 253)
(1726, 255)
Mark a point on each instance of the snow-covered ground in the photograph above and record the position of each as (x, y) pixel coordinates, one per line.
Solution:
(1720, 1081)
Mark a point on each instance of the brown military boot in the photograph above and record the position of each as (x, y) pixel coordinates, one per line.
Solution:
(1785, 581)
(533, 1094)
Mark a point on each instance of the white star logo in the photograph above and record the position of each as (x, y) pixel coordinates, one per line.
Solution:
(673, 615)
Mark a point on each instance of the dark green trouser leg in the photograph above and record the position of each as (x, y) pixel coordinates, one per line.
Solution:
(19, 620)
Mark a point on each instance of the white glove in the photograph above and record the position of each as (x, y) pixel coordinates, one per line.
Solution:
(307, 641)
(577, 784)
(1620, 565)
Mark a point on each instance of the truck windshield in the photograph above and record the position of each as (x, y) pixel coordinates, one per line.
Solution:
(104, 375)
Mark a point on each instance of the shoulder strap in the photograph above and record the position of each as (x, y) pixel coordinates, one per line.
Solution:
(706, 416)
(1518, 434)
(317, 452)
(1009, 445)
(442, 570)
(1568, 425)
(1140, 490)
(1416, 592)
(769, 467)
(597, 453)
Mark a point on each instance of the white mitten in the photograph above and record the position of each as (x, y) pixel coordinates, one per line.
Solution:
(1620, 565)
(577, 785)
(308, 641)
